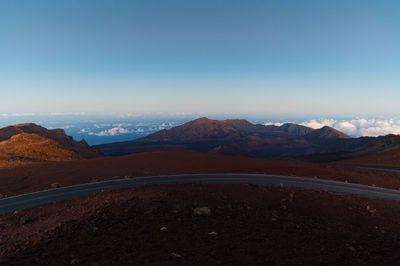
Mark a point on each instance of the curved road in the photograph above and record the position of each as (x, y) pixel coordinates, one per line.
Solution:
(48, 196)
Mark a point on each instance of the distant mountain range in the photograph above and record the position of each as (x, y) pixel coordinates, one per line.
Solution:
(29, 143)
(241, 137)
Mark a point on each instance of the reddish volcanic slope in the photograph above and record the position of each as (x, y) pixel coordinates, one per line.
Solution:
(324, 134)
(232, 136)
(30, 143)
(57, 135)
(28, 148)
(390, 159)
(247, 225)
(240, 137)
(41, 176)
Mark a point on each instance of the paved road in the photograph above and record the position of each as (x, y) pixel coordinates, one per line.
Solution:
(43, 197)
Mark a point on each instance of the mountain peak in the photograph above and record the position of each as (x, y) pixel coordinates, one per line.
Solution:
(231, 136)
(205, 129)
(27, 125)
(295, 129)
(201, 120)
(326, 133)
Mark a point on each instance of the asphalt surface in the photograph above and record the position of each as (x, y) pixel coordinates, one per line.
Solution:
(14, 203)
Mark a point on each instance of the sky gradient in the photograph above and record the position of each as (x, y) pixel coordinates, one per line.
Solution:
(312, 58)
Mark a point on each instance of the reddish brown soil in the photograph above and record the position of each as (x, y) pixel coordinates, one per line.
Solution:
(38, 177)
(255, 226)
(389, 159)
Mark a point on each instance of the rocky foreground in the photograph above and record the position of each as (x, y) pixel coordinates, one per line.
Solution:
(199, 224)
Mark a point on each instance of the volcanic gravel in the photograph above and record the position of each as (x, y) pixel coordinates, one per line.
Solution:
(246, 225)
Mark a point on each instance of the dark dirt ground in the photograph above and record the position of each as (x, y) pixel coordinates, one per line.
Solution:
(31, 178)
(254, 225)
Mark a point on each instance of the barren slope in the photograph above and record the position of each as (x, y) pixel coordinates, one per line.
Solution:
(57, 135)
(248, 225)
(389, 159)
(29, 148)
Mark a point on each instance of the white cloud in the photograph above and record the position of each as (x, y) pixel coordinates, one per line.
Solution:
(67, 127)
(162, 126)
(359, 127)
(273, 124)
(122, 125)
(17, 115)
(347, 127)
(355, 127)
(68, 114)
(115, 131)
(319, 123)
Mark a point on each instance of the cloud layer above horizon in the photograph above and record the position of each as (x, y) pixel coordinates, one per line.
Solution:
(356, 127)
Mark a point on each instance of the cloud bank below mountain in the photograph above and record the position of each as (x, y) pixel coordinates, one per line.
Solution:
(359, 127)
(356, 127)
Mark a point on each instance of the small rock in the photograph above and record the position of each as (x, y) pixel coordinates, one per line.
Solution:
(175, 256)
(15, 213)
(74, 262)
(55, 185)
(163, 228)
(202, 211)
(368, 207)
(373, 211)
(1, 196)
(176, 210)
(351, 248)
(24, 220)
(94, 228)
(212, 234)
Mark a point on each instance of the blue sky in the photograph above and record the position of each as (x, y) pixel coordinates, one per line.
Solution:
(311, 58)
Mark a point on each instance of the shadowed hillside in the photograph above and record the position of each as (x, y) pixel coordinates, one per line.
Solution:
(240, 137)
